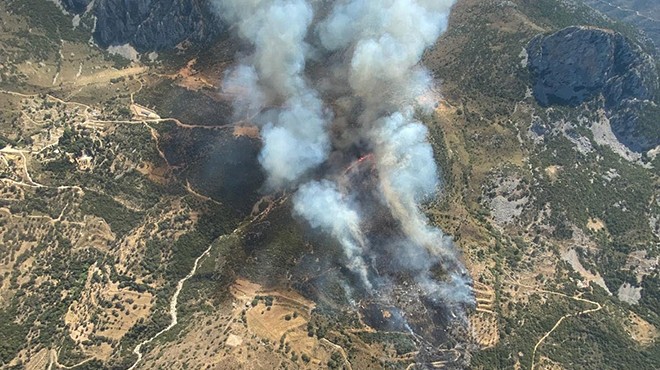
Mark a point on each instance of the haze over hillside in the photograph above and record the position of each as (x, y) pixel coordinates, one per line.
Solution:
(643, 14)
(357, 184)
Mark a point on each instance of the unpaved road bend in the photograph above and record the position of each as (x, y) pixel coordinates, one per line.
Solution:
(173, 306)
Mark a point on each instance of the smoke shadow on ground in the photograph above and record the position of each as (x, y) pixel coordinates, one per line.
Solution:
(216, 164)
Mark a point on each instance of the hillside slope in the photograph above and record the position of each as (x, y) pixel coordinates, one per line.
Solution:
(131, 201)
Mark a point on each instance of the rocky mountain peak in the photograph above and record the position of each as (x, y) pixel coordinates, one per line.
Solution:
(576, 64)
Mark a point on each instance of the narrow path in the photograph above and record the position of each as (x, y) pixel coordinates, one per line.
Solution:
(173, 306)
(175, 298)
(161, 120)
(30, 182)
(54, 360)
(341, 351)
(597, 307)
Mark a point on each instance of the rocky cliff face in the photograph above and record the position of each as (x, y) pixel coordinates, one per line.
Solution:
(153, 25)
(76, 6)
(149, 24)
(577, 64)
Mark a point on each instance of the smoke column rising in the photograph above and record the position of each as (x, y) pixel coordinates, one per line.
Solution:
(295, 138)
(376, 47)
(388, 39)
(325, 207)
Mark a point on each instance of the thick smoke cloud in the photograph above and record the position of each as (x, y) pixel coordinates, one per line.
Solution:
(324, 207)
(408, 176)
(373, 49)
(295, 139)
(388, 38)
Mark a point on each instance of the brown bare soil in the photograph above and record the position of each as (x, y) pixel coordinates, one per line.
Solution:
(241, 335)
(190, 78)
(552, 172)
(158, 174)
(109, 74)
(640, 330)
(595, 224)
(249, 131)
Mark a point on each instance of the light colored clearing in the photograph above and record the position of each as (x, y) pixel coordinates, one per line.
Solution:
(127, 51)
(244, 290)
(641, 330)
(96, 234)
(190, 78)
(582, 144)
(140, 111)
(552, 172)
(271, 324)
(429, 100)
(39, 74)
(509, 201)
(652, 153)
(629, 293)
(505, 211)
(445, 108)
(524, 58)
(249, 131)
(159, 175)
(229, 336)
(485, 297)
(58, 4)
(109, 74)
(38, 361)
(603, 135)
(572, 258)
(234, 340)
(595, 224)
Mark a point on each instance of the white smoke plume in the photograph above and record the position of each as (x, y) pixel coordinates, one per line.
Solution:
(324, 207)
(373, 48)
(295, 139)
(408, 176)
(388, 38)
(242, 83)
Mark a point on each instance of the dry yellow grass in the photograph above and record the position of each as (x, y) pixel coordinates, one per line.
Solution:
(104, 76)
(595, 224)
(241, 336)
(641, 330)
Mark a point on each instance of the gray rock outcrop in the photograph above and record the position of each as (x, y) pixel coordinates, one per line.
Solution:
(577, 64)
(149, 25)
(153, 24)
(76, 6)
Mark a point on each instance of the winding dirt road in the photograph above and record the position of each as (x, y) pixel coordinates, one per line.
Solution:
(597, 307)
